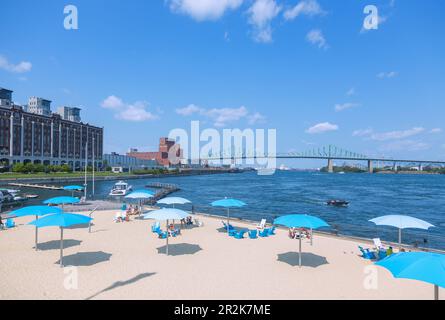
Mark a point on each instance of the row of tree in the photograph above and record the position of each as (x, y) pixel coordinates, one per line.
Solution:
(37, 168)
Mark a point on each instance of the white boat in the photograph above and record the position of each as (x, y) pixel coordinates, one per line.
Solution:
(120, 188)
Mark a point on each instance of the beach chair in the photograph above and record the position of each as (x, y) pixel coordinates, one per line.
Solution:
(232, 232)
(229, 227)
(240, 234)
(10, 223)
(253, 234)
(162, 234)
(155, 227)
(378, 244)
(264, 233)
(117, 217)
(382, 254)
(198, 222)
(261, 225)
(367, 254)
(272, 231)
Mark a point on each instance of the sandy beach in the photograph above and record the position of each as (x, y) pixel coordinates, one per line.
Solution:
(127, 261)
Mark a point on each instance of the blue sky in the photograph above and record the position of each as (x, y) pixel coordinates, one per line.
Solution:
(306, 68)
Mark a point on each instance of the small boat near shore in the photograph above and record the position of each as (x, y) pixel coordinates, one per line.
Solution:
(120, 188)
(337, 203)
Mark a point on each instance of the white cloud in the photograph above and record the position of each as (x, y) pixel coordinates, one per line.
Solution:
(201, 10)
(405, 145)
(261, 13)
(390, 135)
(20, 67)
(436, 130)
(322, 127)
(222, 116)
(305, 7)
(387, 75)
(189, 110)
(112, 102)
(225, 115)
(317, 38)
(344, 106)
(362, 132)
(350, 92)
(129, 112)
(256, 118)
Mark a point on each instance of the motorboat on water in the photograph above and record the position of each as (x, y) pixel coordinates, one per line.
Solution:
(121, 188)
(337, 203)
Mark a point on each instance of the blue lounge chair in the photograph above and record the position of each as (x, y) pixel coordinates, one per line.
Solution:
(253, 234)
(264, 233)
(10, 223)
(382, 254)
(272, 231)
(155, 227)
(162, 234)
(230, 227)
(367, 254)
(240, 234)
(232, 232)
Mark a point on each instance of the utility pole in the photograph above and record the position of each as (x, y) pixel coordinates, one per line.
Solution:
(93, 167)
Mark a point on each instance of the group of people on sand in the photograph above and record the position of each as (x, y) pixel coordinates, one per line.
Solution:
(294, 233)
(126, 212)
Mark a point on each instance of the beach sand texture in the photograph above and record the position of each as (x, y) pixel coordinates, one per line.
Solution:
(123, 261)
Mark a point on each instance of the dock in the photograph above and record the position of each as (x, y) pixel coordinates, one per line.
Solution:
(36, 186)
(165, 190)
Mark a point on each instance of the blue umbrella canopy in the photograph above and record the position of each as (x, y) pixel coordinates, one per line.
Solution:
(35, 211)
(423, 266)
(73, 188)
(301, 221)
(228, 203)
(139, 195)
(61, 200)
(173, 200)
(61, 220)
(401, 222)
(166, 214)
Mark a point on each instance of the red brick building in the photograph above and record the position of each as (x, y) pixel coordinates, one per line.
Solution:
(160, 156)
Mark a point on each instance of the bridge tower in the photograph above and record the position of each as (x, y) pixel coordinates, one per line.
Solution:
(330, 166)
(370, 166)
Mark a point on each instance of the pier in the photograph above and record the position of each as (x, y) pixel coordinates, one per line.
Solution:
(165, 190)
(36, 186)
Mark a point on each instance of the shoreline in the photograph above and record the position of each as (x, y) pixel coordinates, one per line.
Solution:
(47, 179)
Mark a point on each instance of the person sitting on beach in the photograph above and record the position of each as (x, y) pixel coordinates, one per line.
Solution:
(118, 217)
(189, 220)
(130, 209)
(2, 226)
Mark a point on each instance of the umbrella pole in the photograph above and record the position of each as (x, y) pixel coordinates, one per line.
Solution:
(37, 233)
(166, 249)
(312, 235)
(436, 292)
(400, 239)
(299, 253)
(61, 247)
(228, 219)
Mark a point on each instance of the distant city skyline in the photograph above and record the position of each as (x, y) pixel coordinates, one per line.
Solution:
(306, 68)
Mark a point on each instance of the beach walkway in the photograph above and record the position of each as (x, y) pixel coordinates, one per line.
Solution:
(126, 261)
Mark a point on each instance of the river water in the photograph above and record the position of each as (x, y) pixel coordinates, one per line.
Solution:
(285, 192)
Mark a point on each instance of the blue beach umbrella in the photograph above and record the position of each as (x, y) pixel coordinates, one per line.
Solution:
(401, 222)
(62, 200)
(140, 195)
(35, 211)
(61, 220)
(173, 201)
(423, 266)
(300, 221)
(73, 188)
(228, 203)
(166, 214)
